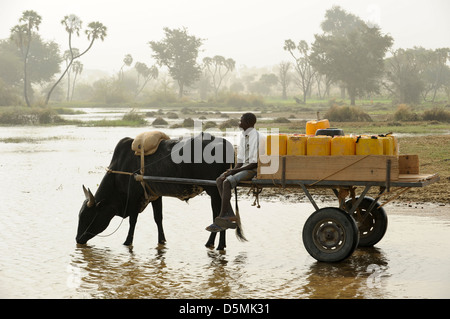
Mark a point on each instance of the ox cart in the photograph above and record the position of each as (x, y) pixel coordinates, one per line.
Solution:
(331, 234)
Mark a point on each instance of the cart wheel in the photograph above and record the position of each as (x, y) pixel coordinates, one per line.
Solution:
(330, 234)
(372, 225)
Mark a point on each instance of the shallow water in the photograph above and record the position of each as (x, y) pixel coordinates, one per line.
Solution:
(41, 196)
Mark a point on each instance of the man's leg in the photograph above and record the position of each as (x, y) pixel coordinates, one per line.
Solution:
(224, 187)
(228, 184)
(226, 209)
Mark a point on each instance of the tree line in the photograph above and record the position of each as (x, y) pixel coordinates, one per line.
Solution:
(349, 54)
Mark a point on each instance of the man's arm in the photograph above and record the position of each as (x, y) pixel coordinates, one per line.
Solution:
(240, 167)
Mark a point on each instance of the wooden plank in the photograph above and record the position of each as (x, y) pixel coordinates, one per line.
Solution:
(408, 164)
(332, 168)
(415, 177)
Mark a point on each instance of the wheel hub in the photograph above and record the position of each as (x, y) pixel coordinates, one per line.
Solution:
(329, 235)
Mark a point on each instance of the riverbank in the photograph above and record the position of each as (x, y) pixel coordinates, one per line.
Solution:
(424, 138)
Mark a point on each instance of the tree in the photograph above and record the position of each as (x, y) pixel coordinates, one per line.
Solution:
(178, 51)
(402, 77)
(218, 67)
(11, 63)
(42, 64)
(67, 56)
(72, 24)
(10, 73)
(323, 83)
(350, 51)
(284, 78)
(264, 84)
(127, 60)
(22, 34)
(146, 73)
(435, 72)
(77, 68)
(303, 65)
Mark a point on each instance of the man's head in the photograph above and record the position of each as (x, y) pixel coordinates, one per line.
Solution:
(247, 120)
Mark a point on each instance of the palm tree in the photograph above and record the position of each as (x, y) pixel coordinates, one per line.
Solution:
(147, 74)
(215, 66)
(77, 68)
(67, 56)
(72, 23)
(21, 34)
(127, 60)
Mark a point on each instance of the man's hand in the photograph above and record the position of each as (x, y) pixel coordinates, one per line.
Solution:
(228, 172)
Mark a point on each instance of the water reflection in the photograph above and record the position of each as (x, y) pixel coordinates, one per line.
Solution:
(104, 273)
(348, 279)
(108, 274)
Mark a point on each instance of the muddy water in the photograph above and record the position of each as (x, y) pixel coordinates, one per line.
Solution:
(43, 168)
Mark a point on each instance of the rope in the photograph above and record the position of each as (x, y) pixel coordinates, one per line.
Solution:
(395, 197)
(339, 170)
(110, 171)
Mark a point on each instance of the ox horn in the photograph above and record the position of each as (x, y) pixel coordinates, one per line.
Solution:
(89, 197)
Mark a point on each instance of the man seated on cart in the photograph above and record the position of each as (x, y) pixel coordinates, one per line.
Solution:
(251, 145)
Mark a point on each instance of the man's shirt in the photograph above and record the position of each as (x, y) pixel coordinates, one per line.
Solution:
(251, 145)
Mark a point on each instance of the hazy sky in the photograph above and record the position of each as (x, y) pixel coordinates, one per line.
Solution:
(252, 32)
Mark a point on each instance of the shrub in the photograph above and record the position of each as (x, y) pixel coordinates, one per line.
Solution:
(347, 114)
(437, 114)
(404, 113)
(209, 124)
(240, 101)
(29, 116)
(281, 120)
(133, 116)
(161, 98)
(229, 123)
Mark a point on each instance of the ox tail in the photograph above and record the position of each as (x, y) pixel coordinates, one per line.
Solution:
(239, 231)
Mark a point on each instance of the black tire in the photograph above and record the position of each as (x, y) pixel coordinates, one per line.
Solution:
(371, 225)
(330, 235)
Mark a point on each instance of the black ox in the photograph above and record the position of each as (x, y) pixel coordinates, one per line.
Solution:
(121, 195)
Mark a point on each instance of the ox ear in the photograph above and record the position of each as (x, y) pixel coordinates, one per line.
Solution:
(89, 197)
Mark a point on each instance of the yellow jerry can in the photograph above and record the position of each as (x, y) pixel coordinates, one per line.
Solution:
(369, 145)
(313, 126)
(343, 145)
(276, 144)
(388, 145)
(319, 145)
(296, 144)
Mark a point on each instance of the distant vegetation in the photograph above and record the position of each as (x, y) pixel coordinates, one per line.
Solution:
(347, 114)
(26, 116)
(34, 71)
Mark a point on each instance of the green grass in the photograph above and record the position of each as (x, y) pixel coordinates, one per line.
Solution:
(29, 116)
(113, 123)
(381, 110)
(31, 140)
